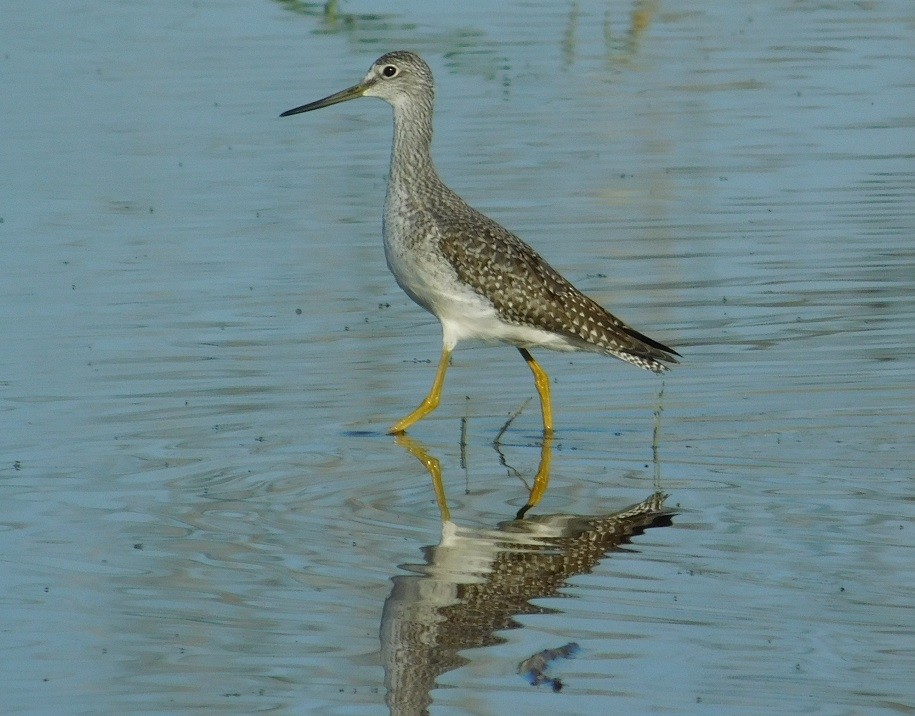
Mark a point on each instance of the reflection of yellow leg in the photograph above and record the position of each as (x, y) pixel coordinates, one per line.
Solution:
(430, 402)
(542, 381)
(542, 480)
(433, 467)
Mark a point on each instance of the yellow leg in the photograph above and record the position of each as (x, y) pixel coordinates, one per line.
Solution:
(542, 480)
(430, 402)
(542, 381)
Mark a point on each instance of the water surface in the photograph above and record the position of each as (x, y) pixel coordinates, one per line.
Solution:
(203, 348)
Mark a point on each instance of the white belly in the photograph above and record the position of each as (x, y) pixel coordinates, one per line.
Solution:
(464, 314)
(426, 276)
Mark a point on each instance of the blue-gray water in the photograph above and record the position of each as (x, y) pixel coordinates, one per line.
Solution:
(202, 348)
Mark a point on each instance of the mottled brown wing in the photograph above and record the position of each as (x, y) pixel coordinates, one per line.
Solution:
(526, 290)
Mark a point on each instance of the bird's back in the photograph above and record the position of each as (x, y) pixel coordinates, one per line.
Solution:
(526, 291)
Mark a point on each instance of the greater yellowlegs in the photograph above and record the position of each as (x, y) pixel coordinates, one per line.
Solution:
(480, 280)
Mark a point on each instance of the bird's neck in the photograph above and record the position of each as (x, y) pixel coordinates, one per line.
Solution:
(411, 153)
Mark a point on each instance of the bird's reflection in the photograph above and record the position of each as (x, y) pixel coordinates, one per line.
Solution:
(476, 582)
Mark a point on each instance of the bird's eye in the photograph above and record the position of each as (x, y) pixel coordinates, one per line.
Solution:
(389, 71)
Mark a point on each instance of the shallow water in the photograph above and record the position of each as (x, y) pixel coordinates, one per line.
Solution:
(203, 349)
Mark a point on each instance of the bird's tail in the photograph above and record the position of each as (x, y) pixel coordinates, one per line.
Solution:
(645, 352)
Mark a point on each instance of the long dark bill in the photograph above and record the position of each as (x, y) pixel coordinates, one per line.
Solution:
(341, 96)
